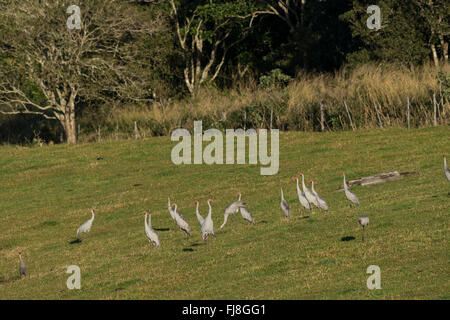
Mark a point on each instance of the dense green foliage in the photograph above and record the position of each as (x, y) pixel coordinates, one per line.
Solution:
(226, 44)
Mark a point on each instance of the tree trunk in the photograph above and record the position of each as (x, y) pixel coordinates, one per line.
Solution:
(435, 56)
(444, 45)
(70, 124)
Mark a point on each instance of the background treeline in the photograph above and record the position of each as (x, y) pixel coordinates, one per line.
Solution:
(293, 65)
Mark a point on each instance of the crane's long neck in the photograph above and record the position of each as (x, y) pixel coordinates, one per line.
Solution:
(298, 187)
(225, 218)
(445, 164)
(196, 209)
(345, 184)
(210, 210)
(93, 216)
(240, 195)
(312, 186)
(168, 203)
(145, 219)
(282, 195)
(303, 183)
(149, 223)
(20, 258)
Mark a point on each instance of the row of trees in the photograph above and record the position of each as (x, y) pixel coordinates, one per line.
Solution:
(139, 51)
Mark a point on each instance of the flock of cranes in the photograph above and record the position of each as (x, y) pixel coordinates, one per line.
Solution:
(307, 198)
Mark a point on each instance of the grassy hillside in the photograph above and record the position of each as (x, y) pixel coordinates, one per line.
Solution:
(47, 192)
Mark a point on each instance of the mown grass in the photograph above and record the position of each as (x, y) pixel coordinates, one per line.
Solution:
(47, 192)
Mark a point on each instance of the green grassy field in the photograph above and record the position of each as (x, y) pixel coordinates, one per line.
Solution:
(47, 192)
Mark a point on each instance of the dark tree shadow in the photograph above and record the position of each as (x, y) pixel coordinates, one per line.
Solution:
(263, 221)
(348, 238)
(75, 241)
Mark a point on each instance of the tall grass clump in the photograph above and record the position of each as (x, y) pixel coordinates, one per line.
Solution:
(294, 104)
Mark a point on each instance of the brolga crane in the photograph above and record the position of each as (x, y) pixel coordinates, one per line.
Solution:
(321, 201)
(207, 226)
(302, 198)
(149, 231)
(169, 206)
(349, 193)
(199, 217)
(284, 205)
(231, 209)
(22, 266)
(245, 213)
(363, 221)
(308, 194)
(181, 223)
(446, 170)
(86, 227)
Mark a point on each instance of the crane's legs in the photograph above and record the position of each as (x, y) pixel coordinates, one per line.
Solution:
(363, 234)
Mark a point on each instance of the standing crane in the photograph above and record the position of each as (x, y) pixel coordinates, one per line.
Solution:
(446, 170)
(349, 193)
(169, 206)
(284, 205)
(231, 209)
(181, 223)
(199, 217)
(302, 198)
(86, 227)
(207, 226)
(245, 213)
(308, 194)
(22, 266)
(321, 201)
(149, 231)
(363, 221)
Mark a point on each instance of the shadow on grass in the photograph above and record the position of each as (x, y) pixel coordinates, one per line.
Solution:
(75, 241)
(348, 238)
(137, 185)
(188, 249)
(304, 217)
(161, 229)
(196, 244)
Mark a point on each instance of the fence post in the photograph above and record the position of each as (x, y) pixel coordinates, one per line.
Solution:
(135, 131)
(408, 112)
(435, 110)
(117, 130)
(378, 114)
(349, 116)
(78, 134)
(271, 117)
(99, 134)
(322, 117)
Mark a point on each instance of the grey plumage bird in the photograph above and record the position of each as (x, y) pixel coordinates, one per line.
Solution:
(308, 194)
(208, 226)
(446, 170)
(321, 201)
(363, 221)
(284, 205)
(169, 206)
(302, 198)
(200, 219)
(349, 193)
(149, 231)
(231, 209)
(22, 266)
(181, 223)
(245, 213)
(86, 227)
